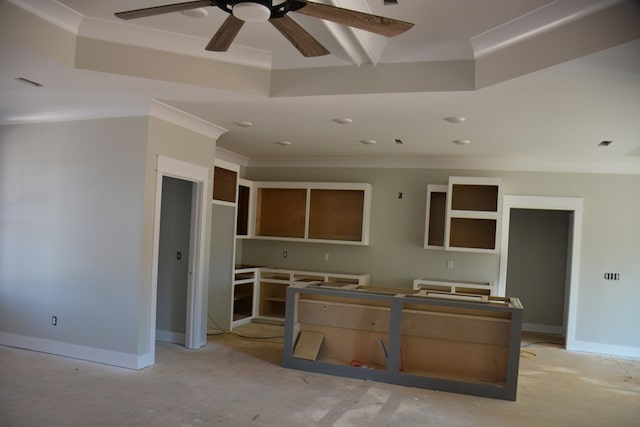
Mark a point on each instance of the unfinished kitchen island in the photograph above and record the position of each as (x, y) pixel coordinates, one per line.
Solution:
(452, 342)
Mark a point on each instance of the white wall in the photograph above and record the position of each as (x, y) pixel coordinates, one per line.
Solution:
(77, 204)
(610, 241)
(71, 203)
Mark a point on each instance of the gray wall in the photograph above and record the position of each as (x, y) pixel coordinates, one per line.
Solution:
(221, 266)
(71, 203)
(537, 264)
(77, 204)
(173, 273)
(610, 238)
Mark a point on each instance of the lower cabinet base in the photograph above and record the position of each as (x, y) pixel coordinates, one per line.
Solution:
(461, 346)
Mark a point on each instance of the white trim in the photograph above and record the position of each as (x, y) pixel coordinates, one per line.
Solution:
(195, 335)
(232, 157)
(609, 349)
(542, 329)
(489, 164)
(170, 337)
(572, 204)
(183, 119)
(75, 351)
(224, 164)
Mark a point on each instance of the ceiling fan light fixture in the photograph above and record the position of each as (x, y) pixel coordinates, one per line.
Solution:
(252, 10)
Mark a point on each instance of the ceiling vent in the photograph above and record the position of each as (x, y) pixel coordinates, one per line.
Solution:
(28, 82)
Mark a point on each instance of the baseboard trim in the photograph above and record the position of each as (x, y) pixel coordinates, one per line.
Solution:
(608, 349)
(171, 337)
(542, 329)
(75, 351)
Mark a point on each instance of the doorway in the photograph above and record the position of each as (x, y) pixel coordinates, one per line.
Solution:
(537, 267)
(173, 260)
(196, 299)
(572, 206)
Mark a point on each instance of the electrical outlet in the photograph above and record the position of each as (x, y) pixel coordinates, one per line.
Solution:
(450, 264)
(284, 254)
(54, 320)
(325, 256)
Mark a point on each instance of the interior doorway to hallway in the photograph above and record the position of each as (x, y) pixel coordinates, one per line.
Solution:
(173, 260)
(573, 206)
(537, 267)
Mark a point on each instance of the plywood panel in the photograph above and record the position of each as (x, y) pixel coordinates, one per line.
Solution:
(336, 214)
(456, 327)
(437, 209)
(224, 184)
(455, 359)
(473, 233)
(475, 197)
(343, 345)
(338, 314)
(280, 212)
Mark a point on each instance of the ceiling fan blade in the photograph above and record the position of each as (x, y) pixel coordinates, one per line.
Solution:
(299, 37)
(159, 10)
(225, 35)
(364, 21)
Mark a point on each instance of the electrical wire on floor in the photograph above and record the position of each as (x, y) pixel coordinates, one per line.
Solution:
(526, 354)
(222, 331)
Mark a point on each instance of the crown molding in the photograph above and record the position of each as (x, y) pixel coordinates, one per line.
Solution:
(513, 165)
(183, 119)
(231, 157)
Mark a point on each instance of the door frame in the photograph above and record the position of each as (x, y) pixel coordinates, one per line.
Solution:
(575, 206)
(196, 302)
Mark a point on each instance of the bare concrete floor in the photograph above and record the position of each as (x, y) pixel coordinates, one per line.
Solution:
(237, 382)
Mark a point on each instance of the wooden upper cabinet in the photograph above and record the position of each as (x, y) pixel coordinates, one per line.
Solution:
(225, 184)
(327, 212)
(473, 212)
(464, 215)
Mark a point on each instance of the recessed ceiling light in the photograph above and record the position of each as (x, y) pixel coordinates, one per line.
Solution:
(455, 119)
(243, 124)
(461, 141)
(605, 143)
(368, 142)
(283, 142)
(195, 13)
(343, 120)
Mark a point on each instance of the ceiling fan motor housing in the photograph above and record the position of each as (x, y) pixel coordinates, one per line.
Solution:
(252, 10)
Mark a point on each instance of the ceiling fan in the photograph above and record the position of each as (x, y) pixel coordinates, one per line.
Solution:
(275, 11)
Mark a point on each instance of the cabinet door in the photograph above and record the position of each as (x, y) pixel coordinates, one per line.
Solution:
(224, 184)
(436, 215)
(336, 214)
(281, 212)
(242, 220)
